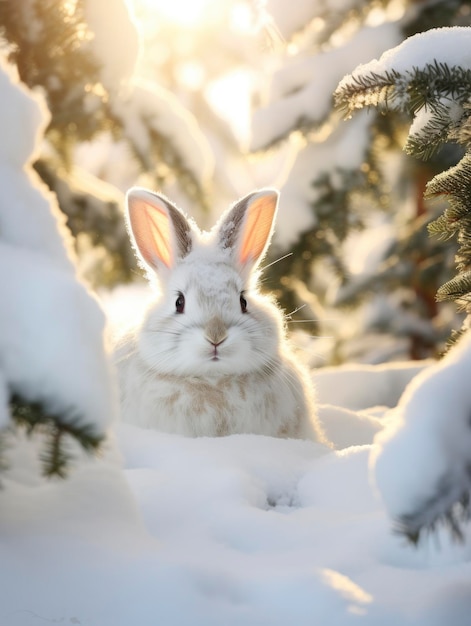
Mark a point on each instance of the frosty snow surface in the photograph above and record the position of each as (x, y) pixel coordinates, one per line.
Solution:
(235, 530)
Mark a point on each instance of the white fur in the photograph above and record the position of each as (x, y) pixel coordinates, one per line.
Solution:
(172, 378)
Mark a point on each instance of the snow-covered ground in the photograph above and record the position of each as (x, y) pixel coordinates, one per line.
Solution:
(236, 530)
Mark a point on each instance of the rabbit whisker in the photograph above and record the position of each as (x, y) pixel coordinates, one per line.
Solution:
(282, 258)
(288, 315)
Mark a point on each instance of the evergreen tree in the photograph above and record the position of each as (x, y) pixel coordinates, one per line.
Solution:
(428, 77)
(54, 378)
(436, 94)
(69, 51)
(356, 177)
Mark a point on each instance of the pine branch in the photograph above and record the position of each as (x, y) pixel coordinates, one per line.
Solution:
(454, 182)
(408, 91)
(166, 152)
(34, 417)
(424, 144)
(457, 289)
(448, 507)
(454, 338)
(94, 222)
(366, 90)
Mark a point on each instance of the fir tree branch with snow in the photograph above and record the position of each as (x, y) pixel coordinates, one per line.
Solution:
(429, 76)
(435, 91)
(35, 418)
(55, 378)
(68, 50)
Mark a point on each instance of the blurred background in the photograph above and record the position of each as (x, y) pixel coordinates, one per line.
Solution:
(206, 100)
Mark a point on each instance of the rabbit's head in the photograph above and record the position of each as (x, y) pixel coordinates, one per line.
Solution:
(210, 319)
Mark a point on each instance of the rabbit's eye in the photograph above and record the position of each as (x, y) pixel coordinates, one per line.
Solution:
(180, 303)
(243, 304)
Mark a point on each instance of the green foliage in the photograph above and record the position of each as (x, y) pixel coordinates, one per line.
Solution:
(322, 244)
(443, 92)
(438, 88)
(409, 91)
(49, 42)
(455, 185)
(445, 508)
(98, 227)
(383, 181)
(55, 428)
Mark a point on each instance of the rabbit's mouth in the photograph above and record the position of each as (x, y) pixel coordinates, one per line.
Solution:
(215, 351)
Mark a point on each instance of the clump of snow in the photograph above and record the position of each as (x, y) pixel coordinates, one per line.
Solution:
(448, 45)
(425, 454)
(51, 329)
(16, 148)
(299, 195)
(143, 108)
(290, 20)
(109, 160)
(302, 90)
(50, 347)
(342, 385)
(148, 107)
(23, 118)
(345, 428)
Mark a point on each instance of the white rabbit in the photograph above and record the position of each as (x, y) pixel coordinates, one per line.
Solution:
(210, 357)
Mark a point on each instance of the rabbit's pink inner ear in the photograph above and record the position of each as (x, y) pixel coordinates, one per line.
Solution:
(151, 229)
(258, 226)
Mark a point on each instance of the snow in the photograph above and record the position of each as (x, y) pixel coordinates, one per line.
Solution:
(341, 385)
(23, 118)
(51, 365)
(302, 90)
(51, 327)
(301, 13)
(4, 396)
(147, 108)
(299, 194)
(441, 45)
(426, 448)
(235, 530)
(447, 45)
(301, 94)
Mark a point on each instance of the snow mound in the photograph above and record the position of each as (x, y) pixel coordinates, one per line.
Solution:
(421, 462)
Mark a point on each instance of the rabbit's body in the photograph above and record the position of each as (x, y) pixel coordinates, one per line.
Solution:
(202, 406)
(211, 357)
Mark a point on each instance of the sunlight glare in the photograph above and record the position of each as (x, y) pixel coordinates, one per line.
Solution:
(184, 13)
(229, 97)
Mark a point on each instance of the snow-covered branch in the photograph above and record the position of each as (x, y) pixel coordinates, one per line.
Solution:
(422, 463)
(53, 365)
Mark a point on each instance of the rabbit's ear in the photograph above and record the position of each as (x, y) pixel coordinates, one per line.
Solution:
(161, 233)
(248, 226)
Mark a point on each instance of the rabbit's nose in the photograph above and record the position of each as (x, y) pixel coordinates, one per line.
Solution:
(215, 331)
